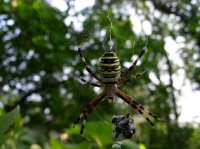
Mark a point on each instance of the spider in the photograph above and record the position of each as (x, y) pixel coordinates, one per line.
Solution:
(110, 80)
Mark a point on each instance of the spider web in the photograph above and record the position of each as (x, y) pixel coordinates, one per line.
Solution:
(111, 41)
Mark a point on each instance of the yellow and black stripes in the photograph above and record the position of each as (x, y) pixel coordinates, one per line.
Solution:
(109, 68)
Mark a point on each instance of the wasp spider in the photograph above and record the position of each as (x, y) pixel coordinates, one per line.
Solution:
(110, 80)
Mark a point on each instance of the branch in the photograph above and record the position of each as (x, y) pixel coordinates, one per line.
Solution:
(23, 99)
(168, 10)
(172, 89)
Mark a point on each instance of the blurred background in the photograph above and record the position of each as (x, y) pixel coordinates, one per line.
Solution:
(39, 59)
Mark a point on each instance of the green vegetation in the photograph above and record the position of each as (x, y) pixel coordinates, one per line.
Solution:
(40, 95)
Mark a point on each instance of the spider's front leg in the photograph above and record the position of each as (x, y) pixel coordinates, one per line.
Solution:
(88, 82)
(131, 79)
(132, 66)
(87, 110)
(86, 66)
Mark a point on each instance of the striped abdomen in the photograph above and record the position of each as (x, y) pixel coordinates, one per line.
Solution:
(109, 67)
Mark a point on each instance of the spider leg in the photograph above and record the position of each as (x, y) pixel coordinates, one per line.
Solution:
(87, 110)
(138, 107)
(131, 79)
(86, 66)
(132, 66)
(89, 83)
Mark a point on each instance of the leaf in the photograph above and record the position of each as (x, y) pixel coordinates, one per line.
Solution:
(7, 122)
(57, 144)
(85, 145)
(100, 131)
(128, 144)
(61, 145)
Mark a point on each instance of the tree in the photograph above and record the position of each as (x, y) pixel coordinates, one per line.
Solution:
(39, 60)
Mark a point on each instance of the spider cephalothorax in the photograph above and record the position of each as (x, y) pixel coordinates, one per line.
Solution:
(110, 80)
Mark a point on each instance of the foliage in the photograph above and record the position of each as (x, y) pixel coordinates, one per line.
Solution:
(39, 60)
(6, 123)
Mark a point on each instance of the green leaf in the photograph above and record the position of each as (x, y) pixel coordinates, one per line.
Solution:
(61, 145)
(57, 144)
(128, 144)
(6, 122)
(85, 145)
(100, 132)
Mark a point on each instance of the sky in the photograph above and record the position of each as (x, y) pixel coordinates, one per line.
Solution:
(188, 103)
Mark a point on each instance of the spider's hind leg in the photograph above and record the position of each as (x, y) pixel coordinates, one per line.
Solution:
(87, 110)
(83, 124)
(84, 114)
(139, 108)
